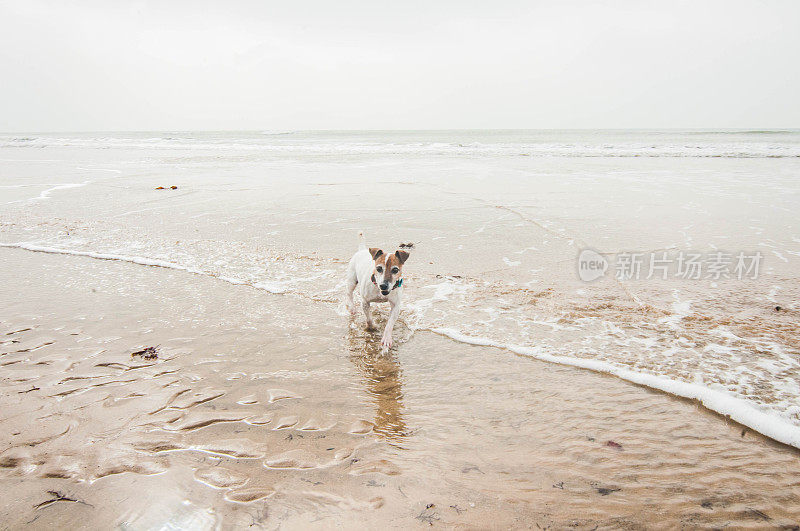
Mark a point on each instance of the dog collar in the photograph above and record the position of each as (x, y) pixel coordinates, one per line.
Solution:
(396, 284)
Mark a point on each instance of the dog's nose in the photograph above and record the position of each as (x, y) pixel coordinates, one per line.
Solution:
(385, 286)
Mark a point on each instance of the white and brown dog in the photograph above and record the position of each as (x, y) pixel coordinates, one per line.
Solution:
(379, 278)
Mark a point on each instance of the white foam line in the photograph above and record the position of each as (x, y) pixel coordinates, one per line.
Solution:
(100, 256)
(266, 286)
(736, 408)
(46, 194)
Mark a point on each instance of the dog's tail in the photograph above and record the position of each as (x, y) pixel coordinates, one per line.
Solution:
(361, 244)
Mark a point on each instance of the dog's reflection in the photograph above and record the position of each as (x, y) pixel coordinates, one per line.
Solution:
(382, 377)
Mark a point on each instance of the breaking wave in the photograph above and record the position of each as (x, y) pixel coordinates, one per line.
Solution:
(713, 144)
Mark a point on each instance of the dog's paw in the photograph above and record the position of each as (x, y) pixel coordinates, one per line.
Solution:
(386, 342)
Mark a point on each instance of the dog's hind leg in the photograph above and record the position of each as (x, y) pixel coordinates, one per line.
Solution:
(350, 286)
(351, 281)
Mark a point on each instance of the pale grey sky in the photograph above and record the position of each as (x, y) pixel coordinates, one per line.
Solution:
(181, 65)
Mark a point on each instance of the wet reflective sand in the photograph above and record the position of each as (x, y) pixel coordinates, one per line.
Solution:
(273, 410)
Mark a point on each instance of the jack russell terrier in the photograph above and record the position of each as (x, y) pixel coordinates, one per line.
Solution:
(379, 278)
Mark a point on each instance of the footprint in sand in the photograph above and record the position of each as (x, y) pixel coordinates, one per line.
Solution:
(154, 447)
(292, 459)
(343, 454)
(249, 495)
(314, 425)
(190, 400)
(201, 420)
(259, 420)
(281, 394)
(286, 422)
(237, 448)
(220, 478)
(139, 467)
(381, 466)
(361, 427)
(247, 400)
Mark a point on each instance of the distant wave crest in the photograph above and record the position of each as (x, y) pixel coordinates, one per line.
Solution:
(714, 144)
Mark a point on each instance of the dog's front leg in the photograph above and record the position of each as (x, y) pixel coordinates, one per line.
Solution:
(387, 332)
(368, 315)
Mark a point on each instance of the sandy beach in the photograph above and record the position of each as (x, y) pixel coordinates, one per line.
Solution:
(263, 404)
(251, 415)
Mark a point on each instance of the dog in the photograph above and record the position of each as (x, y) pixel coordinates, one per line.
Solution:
(379, 278)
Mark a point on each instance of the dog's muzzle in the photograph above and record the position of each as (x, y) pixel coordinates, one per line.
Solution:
(384, 287)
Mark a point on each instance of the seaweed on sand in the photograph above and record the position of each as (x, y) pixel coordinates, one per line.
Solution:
(148, 353)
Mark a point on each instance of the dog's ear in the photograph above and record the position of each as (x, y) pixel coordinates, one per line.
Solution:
(375, 252)
(402, 256)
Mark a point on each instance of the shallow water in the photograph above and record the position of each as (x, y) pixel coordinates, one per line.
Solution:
(273, 410)
(498, 219)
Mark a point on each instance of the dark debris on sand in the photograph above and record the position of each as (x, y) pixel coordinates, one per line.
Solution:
(408, 245)
(173, 187)
(148, 353)
(428, 514)
(756, 514)
(58, 497)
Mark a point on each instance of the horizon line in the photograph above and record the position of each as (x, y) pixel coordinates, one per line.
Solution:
(290, 131)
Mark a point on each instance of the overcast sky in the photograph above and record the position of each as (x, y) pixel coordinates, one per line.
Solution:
(187, 65)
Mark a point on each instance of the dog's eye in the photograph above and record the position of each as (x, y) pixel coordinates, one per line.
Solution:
(379, 269)
(395, 270)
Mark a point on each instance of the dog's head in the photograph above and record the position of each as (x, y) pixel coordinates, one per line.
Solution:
(388, 268)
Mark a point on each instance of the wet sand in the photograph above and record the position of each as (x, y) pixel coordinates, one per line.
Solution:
(275, 411)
